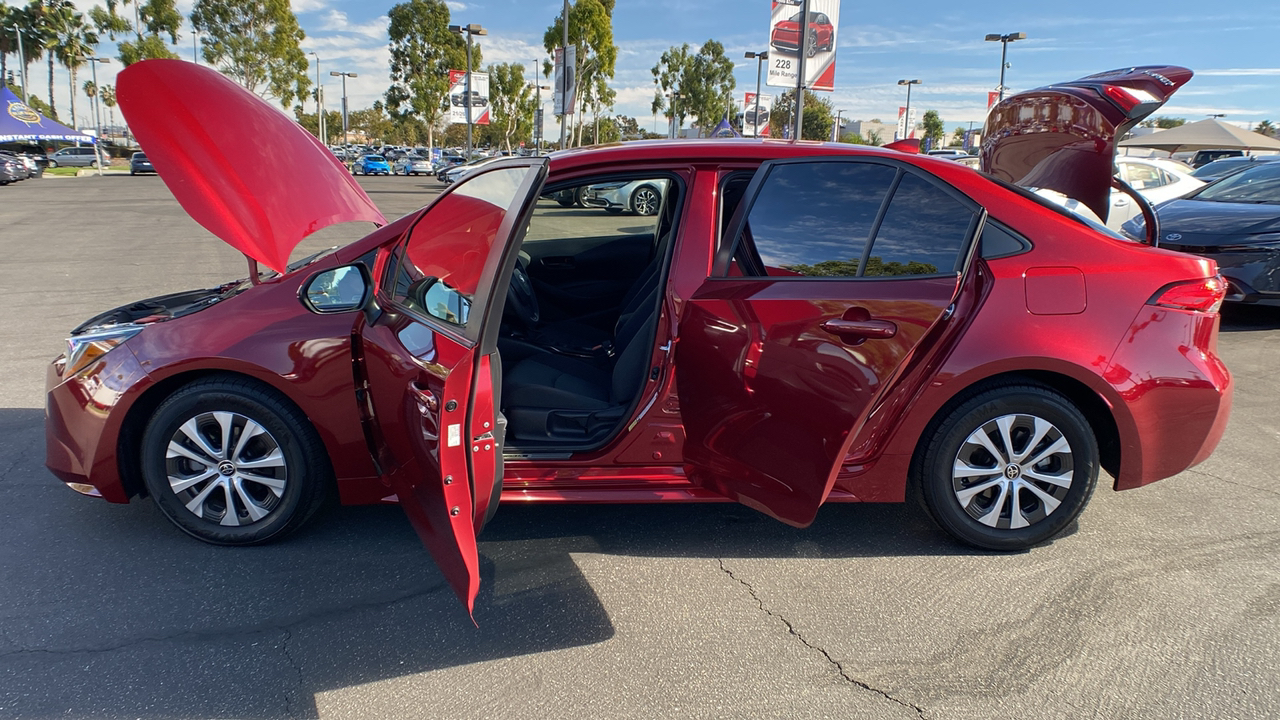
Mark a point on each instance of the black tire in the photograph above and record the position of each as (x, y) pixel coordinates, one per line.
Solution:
(287, 452)
(1017, 509)
(645, 200)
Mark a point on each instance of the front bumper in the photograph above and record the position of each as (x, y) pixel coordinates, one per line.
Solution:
(83, 418)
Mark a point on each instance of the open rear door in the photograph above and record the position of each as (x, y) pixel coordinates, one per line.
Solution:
(428, 370)
(1063, 137)
(834, 274)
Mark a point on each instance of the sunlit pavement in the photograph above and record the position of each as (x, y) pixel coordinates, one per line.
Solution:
(1164, 602)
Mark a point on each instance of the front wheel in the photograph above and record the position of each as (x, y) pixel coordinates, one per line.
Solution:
(53, 163)
(1009, 468)
(232, 463)
(645, 200)
(813, 44)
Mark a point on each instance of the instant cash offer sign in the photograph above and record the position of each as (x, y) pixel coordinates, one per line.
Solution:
(786, 41)
(459, 100)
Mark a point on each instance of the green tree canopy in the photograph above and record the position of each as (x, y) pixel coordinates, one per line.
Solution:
(511, 103)
(934, 132)
(256, 43)
(423, 51)
(1266, 128)
(703, 84)
(591, 33)
(819, 116)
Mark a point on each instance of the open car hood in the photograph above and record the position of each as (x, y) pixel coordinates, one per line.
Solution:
(1063, 137)
(241, 168)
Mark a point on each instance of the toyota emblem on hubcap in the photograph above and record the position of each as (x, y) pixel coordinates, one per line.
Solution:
(226, 468)
(1012, 472)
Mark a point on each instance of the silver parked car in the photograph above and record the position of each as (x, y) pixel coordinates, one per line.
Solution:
(83, 156)
(642, 197)
(412, 165)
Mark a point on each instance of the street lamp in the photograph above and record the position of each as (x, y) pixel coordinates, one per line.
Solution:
(759, 57)
(22, 62)
(468, 30)
(835, 133)
(97, 97)
(906, 119)
(537, 115)
(319, 103)
(1004, 41)
(345, 125)
(673, 96)
(1217, 115)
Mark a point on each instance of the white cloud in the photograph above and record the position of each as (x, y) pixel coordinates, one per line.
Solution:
(1238, 72)
(456, 6)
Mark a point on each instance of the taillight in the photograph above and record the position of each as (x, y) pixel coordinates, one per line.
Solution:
(1132, 101)
(1204, 295)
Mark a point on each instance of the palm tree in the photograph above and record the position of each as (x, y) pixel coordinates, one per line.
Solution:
(50, 19)
(91, 90)
(1266, 128)
(76, 44)
(8, 40)
(109, 99)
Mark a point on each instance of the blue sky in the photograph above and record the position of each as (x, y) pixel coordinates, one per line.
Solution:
(1230, 46)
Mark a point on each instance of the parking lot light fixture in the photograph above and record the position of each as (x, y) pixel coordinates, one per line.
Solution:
(469, 31)
(97, 107)
(345, 124)
(537, 124)
(906, 115)
(1004, 41)
(760, 57)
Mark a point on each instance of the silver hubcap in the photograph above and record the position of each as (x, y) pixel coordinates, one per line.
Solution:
(646, 202)
(226, 468)
(1013, 471)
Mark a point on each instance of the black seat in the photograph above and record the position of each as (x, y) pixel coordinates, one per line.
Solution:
(573, 335)
(552, 398)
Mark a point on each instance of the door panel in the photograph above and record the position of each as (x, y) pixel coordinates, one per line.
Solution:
(770, 397)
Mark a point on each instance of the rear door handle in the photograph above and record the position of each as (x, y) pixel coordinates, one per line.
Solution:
(862, 329)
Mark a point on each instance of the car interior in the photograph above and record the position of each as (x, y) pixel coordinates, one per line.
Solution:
(580, 317)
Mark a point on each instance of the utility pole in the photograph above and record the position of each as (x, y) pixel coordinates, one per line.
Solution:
(760, 57)
(804, 51)
(564, 77)
(468, 30)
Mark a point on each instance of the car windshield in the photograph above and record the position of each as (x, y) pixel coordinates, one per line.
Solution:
(1259, 184)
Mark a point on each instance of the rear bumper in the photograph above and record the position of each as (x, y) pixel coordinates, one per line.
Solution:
(1177, 393)
(83, 417)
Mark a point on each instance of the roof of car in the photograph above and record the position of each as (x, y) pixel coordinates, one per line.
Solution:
(720, 150)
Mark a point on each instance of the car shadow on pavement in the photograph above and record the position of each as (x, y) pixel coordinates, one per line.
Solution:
(1250, 318)
(112, 612)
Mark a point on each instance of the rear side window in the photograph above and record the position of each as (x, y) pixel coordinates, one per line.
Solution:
(851, 220)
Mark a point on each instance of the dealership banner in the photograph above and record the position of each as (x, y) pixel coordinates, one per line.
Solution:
(992, 97)
(566, 85)
(786, 40)
(756, 124)
(904, 123)
(478, 100)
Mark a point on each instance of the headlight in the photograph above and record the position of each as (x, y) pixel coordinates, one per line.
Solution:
(604, 187)
(83, 350)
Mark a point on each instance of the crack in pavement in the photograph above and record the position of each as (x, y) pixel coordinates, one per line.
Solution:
(805, 641)
(1233, 482)
(244, 633)
(288, 695)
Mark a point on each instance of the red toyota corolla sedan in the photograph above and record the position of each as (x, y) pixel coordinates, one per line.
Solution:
(797, 324)
(786, 34)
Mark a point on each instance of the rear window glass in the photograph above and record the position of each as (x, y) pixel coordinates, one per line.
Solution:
(922, 233)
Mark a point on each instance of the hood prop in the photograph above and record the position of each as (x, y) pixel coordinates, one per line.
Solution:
(253, 270)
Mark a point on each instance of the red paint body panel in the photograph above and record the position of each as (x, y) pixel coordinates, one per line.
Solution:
(219, 148)
(1055, 290)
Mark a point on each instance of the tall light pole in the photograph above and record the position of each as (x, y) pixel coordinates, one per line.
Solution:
(564, 76)
(835, 132)
(801, 71)
(319, 103)
(97, 95)
(760, 57)
(906, 119)
(195, 37)
(468, 30)
(674, 96)
(345, 125)
(22, 62)
(1004, 41)
(537, 114)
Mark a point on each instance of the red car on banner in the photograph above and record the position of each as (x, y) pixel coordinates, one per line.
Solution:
(795, 324)
(788, 32)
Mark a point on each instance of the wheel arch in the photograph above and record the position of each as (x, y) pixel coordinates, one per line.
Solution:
(1097, 410)
(129, 440)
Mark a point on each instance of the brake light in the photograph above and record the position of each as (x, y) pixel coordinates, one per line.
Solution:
(1132, 101)
(1205, 295)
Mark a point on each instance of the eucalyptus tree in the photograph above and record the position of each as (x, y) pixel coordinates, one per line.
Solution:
(258, 43)
(423, 51)
(694, 84)
(511, 101)
(591, 34)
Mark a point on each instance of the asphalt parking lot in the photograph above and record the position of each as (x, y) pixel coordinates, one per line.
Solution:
(1163, 603)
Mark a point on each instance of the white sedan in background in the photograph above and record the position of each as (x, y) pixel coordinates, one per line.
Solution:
(1155, 179)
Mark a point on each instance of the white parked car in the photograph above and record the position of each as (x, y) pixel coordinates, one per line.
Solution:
(1156, 179)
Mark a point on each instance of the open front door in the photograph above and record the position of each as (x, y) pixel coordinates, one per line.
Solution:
(833, 275)
(431, 371)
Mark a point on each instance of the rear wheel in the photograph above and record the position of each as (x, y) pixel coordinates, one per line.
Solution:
(53, 163)
(1008, 469)
(645, 200)
(232, 463)
(813, 44)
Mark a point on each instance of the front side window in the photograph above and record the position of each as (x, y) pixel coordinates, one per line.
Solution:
(439, 268)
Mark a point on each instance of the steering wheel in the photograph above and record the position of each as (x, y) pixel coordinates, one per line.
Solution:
(521, 301)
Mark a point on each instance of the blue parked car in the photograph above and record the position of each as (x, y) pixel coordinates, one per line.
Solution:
(371, 165)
